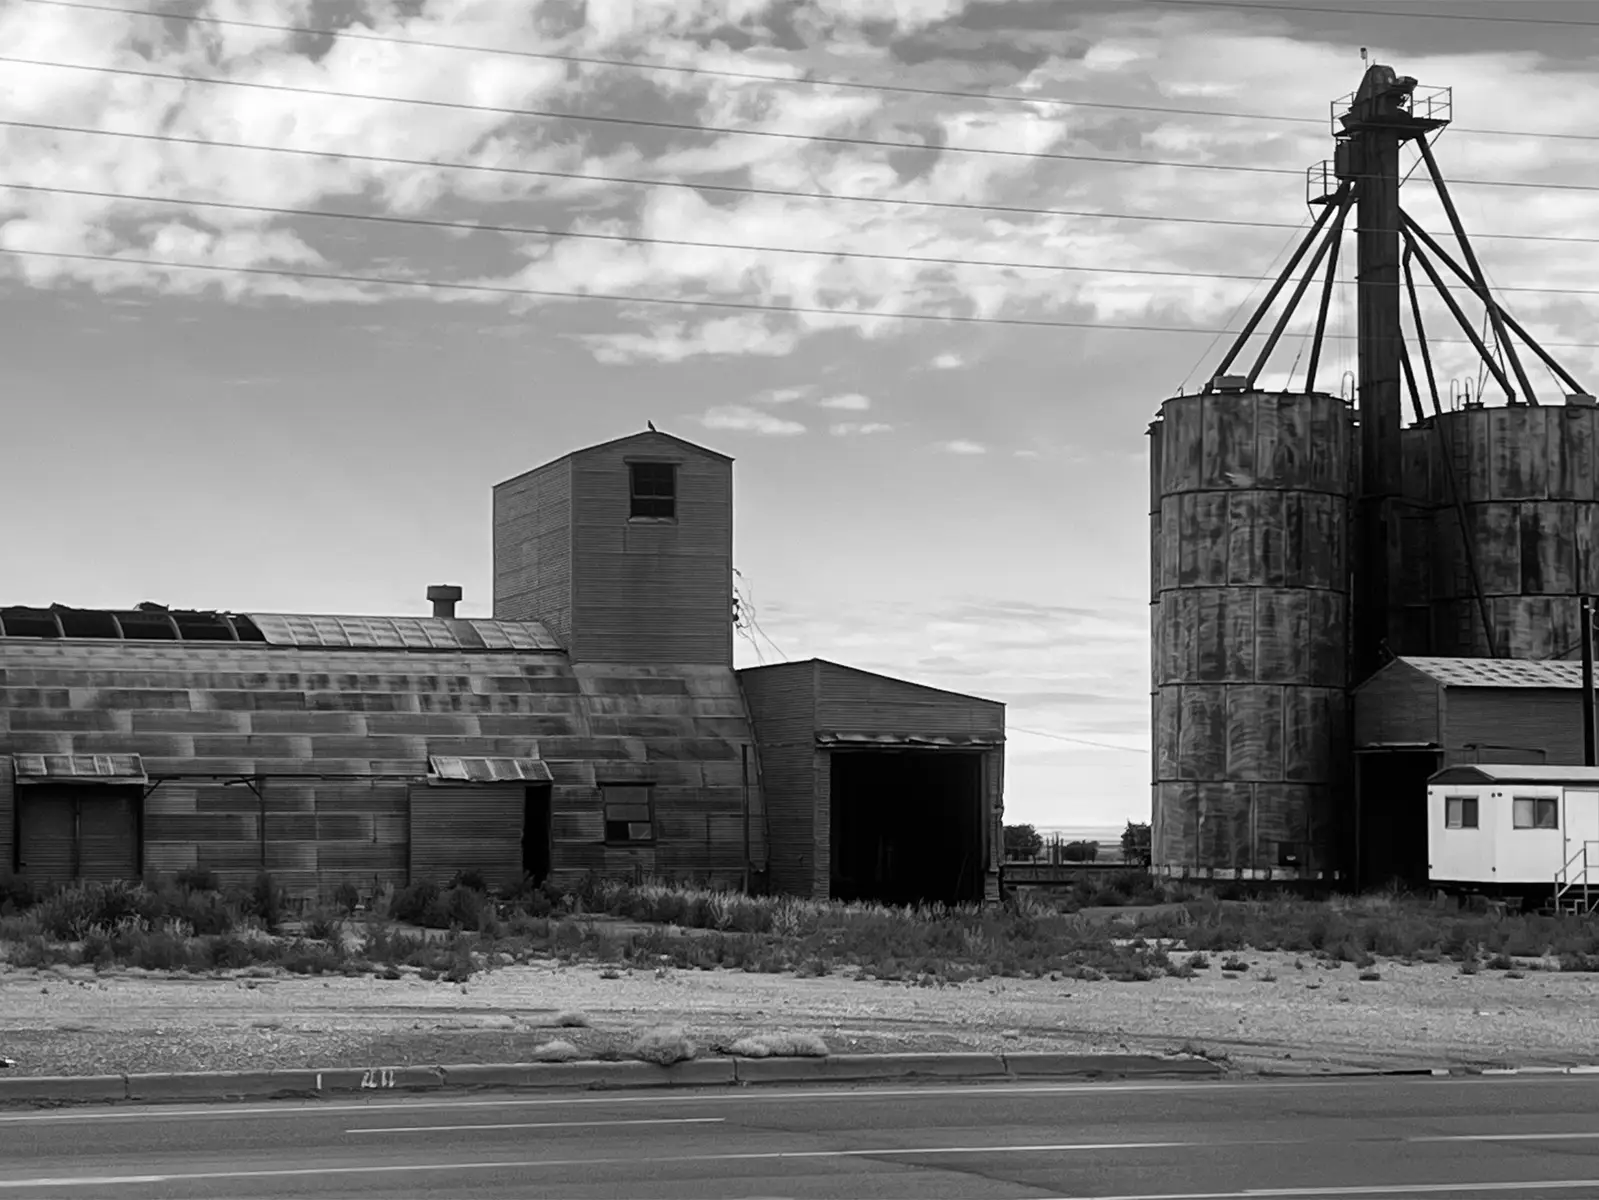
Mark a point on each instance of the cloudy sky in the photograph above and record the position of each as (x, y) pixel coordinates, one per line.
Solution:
(963, 502)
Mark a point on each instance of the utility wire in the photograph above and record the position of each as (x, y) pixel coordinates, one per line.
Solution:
(1061, 737)
(733, 189)
(675, 301)
(640, 239)
(734, 131)
(351, 34)
(1567, 22)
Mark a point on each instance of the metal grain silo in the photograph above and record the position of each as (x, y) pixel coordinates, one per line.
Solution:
(1526, 483)
(1250, 575)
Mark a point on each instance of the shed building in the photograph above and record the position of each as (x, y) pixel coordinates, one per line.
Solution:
(1416, 716)
(878, 788)
(1492, 826)
(595, 724)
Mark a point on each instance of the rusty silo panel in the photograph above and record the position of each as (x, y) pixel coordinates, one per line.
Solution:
(1249, 631)
(1527, 481)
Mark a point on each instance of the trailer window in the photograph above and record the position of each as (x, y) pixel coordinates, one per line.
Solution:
(1535, 812)
(1460, 812)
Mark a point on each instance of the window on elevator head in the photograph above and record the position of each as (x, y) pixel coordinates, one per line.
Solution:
(654, 490)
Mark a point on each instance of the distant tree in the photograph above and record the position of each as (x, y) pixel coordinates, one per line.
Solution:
(1080, 852)
(1136, 845)
(1022, 842)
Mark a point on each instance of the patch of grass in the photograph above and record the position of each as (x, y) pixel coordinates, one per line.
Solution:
(664, 1047)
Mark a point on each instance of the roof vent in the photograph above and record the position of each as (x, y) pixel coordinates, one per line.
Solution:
(1231, 383)
(444, 597)
(1579, 400)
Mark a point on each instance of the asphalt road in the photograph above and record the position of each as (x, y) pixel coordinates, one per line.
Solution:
(1508, 1137)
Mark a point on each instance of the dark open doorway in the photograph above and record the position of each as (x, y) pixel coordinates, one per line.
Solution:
(536, 832)
(907, 826)
(1391, 817)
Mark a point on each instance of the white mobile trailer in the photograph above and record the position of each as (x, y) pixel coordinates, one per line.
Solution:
(1495, 826)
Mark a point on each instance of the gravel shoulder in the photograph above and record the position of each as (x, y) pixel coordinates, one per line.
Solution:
(1283, 1011)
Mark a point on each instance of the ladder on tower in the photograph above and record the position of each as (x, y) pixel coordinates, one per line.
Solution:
(1577, 883)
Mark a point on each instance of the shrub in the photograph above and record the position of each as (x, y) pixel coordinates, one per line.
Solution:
(198, 879)
(571, 1020)
(1199, 961)
(780, 1045)
(555, 1051)
(346, 897)
(472, 881)
(663, 1047)
(413, 900)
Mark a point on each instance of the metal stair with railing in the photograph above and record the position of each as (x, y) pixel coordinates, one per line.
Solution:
(1577, 883)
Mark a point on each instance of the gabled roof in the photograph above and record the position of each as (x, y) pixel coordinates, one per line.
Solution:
(796, 664)
(1498, 672)
(1468, 773)
(655, 436)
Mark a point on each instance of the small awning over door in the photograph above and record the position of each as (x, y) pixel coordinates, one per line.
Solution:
(450, 769)
(79, 769)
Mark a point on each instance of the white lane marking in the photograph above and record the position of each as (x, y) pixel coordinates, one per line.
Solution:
(1374, 1189)
(291, 1108)
(544, 1125)
(1507, 1137)
(536, 1163)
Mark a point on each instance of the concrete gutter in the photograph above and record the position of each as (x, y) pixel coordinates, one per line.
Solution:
(706, 1072)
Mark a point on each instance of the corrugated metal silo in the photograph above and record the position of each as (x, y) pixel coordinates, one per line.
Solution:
(1527, 482)
(1250, 631)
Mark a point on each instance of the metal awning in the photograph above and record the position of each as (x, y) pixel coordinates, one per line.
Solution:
(452, 769)
(79, 768)
(909, 741)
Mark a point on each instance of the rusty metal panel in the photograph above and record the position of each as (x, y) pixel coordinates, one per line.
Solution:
(782, 703)
(1496, 537)
(1515, 725)
(1548, 548)
(1254, 732)
(1249, 675)
(471, 827)
(1398, 705)
(108, 834)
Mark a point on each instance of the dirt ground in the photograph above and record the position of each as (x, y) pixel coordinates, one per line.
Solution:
(1283, 1011)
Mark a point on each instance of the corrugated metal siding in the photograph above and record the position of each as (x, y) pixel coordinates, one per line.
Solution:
(46, 826)
(859, 701)
(533, 549)
(108, 834)
(8, 802)
(1513, 725)
(468, 828)
(250, 709)
(652, 592)
(1397, 705)
(782, 706)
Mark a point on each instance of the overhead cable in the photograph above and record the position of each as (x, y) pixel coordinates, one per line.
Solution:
(641, 239)
(349, 33)
(735, 131)
(1407, 15)
(669, 301)
(725, 188)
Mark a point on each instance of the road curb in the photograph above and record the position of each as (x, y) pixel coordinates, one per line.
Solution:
(591, 1076)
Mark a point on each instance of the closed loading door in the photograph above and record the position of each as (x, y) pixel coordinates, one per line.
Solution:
(472, 827)
(77, 833)
(46, 850)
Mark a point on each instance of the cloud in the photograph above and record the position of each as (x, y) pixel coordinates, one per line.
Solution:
(853, 428)
(783, 395)
(850, 401)
(948, 361)
(749, 420)
(962, 446)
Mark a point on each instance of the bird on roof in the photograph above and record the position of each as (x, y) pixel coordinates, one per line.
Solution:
(651, 425)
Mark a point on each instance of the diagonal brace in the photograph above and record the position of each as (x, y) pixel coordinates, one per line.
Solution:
(1460, 318)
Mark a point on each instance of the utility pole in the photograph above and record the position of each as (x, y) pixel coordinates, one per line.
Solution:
(1378, 122)
(1587, 682)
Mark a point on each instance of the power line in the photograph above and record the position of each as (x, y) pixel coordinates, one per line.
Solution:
(1061, 737)
(1567, 22)
(674, 301)
(728, 188)
(640, 239)
(733, 131)
(350, 34)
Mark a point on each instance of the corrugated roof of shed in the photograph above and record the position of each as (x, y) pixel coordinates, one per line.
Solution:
(1499, 672)
(402, 633)
(1515, 773)
(827, 662)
